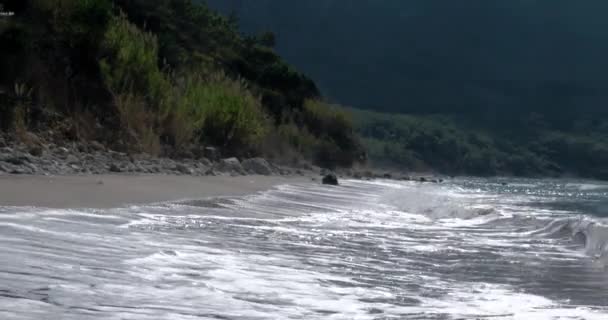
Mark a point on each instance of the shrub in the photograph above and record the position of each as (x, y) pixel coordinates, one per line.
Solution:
(130, 72)
(333, 126)
(231, 116)
(137, 123)
(130, 63)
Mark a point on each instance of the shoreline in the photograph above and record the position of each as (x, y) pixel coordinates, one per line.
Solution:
(112, 191)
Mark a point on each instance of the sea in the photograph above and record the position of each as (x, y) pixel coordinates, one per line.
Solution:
(468, 248)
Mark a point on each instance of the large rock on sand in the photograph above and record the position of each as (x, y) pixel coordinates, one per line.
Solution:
(330, 179)
(257, 166)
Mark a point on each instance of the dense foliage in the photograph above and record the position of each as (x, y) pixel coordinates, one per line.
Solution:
(487, 86)
(159, 77)
(443, 143)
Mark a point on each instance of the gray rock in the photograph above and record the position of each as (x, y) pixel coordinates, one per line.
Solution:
(211, 153)
(257, 166)
(36, 150)
(205, 162)
(7, 150)
(115, 168)
(17, 158)
(182, 168)
(20, 170)
(97, 146)
(229, 165)
(330, 179)
(72, 159)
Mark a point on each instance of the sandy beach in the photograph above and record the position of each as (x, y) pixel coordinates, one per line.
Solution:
(107, 191)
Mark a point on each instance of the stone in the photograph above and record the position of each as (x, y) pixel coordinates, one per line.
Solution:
(211, 153)
(17, 158)
(36, 150)
(330, 179)
(257, 166)
(182, 168)
(387, 176)
(97, 146)
(229, 165)
(72, 159)
(205, 162)
(115, 168)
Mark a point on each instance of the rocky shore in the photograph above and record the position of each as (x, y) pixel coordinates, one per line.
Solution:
(93, 158)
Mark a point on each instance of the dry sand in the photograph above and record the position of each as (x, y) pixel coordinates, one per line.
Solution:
(107, 191)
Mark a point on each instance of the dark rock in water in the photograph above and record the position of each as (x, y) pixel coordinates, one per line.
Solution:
(257, 166)
(504, 183)
(388, 176)
(330, 179)
(422, 179)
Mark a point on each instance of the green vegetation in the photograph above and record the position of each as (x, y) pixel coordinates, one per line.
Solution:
(160, 77)
(167, 76)
(455, 146)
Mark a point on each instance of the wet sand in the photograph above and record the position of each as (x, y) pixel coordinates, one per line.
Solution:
(108, 191)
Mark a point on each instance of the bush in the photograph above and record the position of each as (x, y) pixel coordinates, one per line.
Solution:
(130, 62)
(231, 116)
(139, 88)
(332, 125)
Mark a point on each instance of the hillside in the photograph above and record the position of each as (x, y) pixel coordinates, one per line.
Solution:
(479, 58)
(482, 88)
(160, 77)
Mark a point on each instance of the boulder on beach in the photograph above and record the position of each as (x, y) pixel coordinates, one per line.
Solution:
(330, 179)
(257, 166)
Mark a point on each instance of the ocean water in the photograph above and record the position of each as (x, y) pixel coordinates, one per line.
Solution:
(464, 249)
